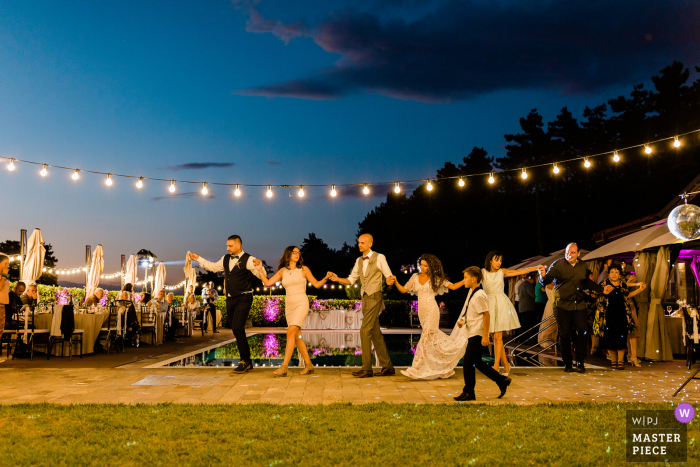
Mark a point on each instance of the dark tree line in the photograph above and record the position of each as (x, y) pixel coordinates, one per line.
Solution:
(13, 247)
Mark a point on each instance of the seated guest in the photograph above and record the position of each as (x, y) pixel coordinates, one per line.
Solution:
(129, 289)
(145, 298)
(192, 304)
(95, 298)
(15, 302)
(170, 302)
(129, 319)
(160, 302)
(171, 299)
(188, 292)
(30, 297)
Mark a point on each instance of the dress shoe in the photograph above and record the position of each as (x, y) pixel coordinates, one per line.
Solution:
(386, 372)
(465, 397)
(357, 372)
(364, 374)
(215, 332)
(243, 367)
(580, 368)
(568, 368)
(503, 386)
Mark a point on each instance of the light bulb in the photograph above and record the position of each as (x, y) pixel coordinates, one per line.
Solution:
(647, 149)
(586, 162)
(616, 157)
(204, 189)
(365, 190)
(44, 172)
(301, 192)
(429, 186)
(11, 165)
(139, 184)
(677, 142)
(109, 180)
(237, 191)
(524, 174)
(333, 192)
(461, 182)
(76, 174)
(269, 192)
(397, 188)
(555, 169)
(172, 186)
(491, 179)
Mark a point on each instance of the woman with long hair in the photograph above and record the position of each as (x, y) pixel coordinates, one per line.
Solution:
(294, 276)
(437, 354)
(503, 314)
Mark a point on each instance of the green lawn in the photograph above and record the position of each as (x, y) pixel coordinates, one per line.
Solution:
(583, 434)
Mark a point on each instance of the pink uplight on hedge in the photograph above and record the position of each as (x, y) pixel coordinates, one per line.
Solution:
(63, 296)
(271, 346)
(271, 309)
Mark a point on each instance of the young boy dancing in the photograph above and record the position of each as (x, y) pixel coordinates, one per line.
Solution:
(475, 316)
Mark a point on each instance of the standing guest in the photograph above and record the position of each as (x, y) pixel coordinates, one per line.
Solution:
(570, 309)
(604, 273)
(475, 316)
(4, 288)
(294, 276)
(31, 297)
(94, 299)
(616, 319)
(211, 304)
(188, 292)
(527, 303)
(503, 315)
(239, 268)
(170, 303)
(15, 304)
(369, 268)
(540, 301)
(205, 291)
(437, 354)
(516, 302)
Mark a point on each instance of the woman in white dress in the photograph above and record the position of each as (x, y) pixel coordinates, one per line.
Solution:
(504, 317)
(437, 354)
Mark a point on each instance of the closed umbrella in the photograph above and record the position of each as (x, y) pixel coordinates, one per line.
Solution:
(96, 267)
(130, 277)
(190, 274)
(31, 270)
(160, 278)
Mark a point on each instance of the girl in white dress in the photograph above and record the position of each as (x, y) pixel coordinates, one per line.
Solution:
(437, 354)
(504, 317)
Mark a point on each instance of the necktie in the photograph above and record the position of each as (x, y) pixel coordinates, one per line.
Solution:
(365, 258)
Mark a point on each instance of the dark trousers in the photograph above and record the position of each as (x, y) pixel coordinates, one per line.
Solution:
(211, 308)
(539, 310)
(237, 309)
(472, 361)
(570, 322)
(371, 333)
(527, 320)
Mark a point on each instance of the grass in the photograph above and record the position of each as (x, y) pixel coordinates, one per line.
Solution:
(583, 434)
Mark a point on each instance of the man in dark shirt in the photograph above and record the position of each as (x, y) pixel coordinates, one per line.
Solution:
(15, 303)
(30, 297)
(571, 276)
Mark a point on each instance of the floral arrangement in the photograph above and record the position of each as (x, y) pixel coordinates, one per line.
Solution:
(335, 304)
(104, 301)
(63, 296)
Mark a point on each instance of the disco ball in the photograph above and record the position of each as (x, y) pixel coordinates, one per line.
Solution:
(684, 222)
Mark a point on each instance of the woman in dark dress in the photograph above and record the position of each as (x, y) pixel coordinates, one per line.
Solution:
(615, 318)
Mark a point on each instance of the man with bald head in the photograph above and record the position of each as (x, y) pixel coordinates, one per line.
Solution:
(369, 268)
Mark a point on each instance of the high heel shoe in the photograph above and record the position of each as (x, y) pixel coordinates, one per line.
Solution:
(637, 364)
(308, 369)
(281, 371)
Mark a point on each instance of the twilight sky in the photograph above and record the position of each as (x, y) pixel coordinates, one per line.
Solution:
(285, 92)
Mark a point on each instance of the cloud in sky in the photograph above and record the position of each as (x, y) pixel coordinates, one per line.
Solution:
(186, 194)
(200, 166)
(273, 163)
(459, 49)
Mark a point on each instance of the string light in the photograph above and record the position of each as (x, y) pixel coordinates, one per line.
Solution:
(524, 174)
(491, 179)
(461, 182)
(204, 189)
(429, 186)
(172, 186)
(616, 157)
(11, 165)
(586, 162)
(677, 142)
(365, 190)
(555, 169)
(76, 174)
(301, 191)
(647, 149)
(109, 180)
(44, 172)
(397, 188)
(237, 191)
(333, 192)
(269, 191)
(139, 184)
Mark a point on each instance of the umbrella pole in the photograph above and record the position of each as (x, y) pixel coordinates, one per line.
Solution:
(87, 266)
(22, 250)
(121, 281)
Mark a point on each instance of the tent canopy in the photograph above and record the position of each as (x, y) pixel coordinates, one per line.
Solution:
(636, 241)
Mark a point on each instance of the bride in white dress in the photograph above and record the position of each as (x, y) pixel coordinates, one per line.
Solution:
(437, 354)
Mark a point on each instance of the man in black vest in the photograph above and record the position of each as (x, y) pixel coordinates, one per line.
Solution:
(238, 268)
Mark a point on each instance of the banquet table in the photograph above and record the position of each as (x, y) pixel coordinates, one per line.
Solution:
(334, 319)
(674, 328)
(333, 340)
(160, 322)
(90, 323)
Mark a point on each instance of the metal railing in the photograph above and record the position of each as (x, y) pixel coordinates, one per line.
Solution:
(525, 354)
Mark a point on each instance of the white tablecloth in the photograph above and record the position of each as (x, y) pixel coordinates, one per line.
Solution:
(148, 337)
(89, 323)
(333, 340)
(334, 319)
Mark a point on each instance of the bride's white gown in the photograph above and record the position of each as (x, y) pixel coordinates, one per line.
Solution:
(437, 354)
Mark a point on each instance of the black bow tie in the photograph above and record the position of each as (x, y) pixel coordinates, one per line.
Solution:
(234, 257)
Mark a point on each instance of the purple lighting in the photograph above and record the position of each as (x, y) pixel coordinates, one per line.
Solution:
(271, 309)
(271, 346)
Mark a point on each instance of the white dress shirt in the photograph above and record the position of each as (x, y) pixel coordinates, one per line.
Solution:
(475, 313)
(219, 265)
(381, 264)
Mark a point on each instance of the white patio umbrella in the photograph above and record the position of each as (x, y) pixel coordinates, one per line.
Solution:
(130, 277)
(31, 270)
(160, 278)
(96, 267)
(190, 273)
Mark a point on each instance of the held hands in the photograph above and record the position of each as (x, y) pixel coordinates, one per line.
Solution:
(194, 256)
(329, 275)
(257, 263)
(391, 280)
(460, 322)
(332, 276)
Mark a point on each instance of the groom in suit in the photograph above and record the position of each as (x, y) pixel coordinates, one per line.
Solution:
(239, 269)
(369, 268)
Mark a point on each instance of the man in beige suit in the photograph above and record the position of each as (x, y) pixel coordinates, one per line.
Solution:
(370, 268)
